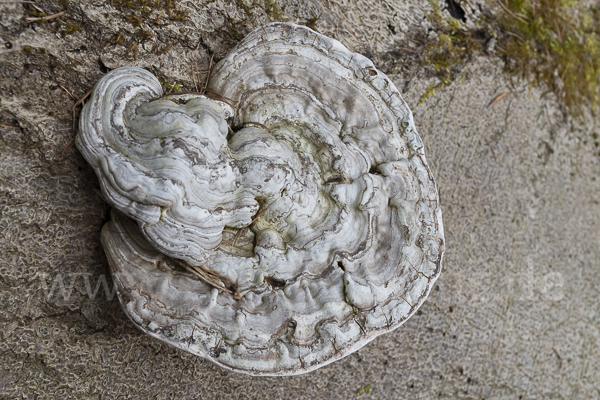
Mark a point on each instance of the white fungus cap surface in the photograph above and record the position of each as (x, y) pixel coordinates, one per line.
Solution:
(276, 231)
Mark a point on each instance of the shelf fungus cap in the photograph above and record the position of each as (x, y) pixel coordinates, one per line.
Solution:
(276, 226)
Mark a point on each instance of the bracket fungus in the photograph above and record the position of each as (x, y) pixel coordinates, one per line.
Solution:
(277, 227)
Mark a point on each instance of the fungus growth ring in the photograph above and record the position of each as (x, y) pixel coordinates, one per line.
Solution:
(275, 230)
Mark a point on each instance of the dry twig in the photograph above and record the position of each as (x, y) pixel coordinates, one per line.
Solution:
(78, 102)
(48, 18)
(520, 17)
(241, 231)
(67, 90)
(208, 74)
(409, 50)
(67, 147)
(498, 98)
(515, 35)
(194, 69)
(211, 278)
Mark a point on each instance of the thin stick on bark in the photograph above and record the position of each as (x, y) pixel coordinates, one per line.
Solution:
(44, 19)
(520, 17)
(208, 74)
(67, 90)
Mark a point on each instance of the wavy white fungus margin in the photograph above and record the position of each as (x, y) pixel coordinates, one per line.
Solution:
(278, 229)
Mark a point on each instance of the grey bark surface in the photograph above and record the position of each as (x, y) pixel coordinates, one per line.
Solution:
(515, 313)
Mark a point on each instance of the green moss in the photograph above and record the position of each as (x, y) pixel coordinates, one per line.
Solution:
(68, 29)
(134, 20)
(132, 49)
(139, 11)
(160, 51)
(35, 13)
(312, 22)
(119, 39)
(171, 87)
(144, 13)
(555, 42)
(144, 35)
(33, 50)
(455, 46)
(551, 42)
(179, 15)
(237, 35)
(364, 389)
(274, 12)
(246, 7)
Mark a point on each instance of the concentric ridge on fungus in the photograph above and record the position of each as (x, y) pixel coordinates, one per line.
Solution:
(274, 231)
